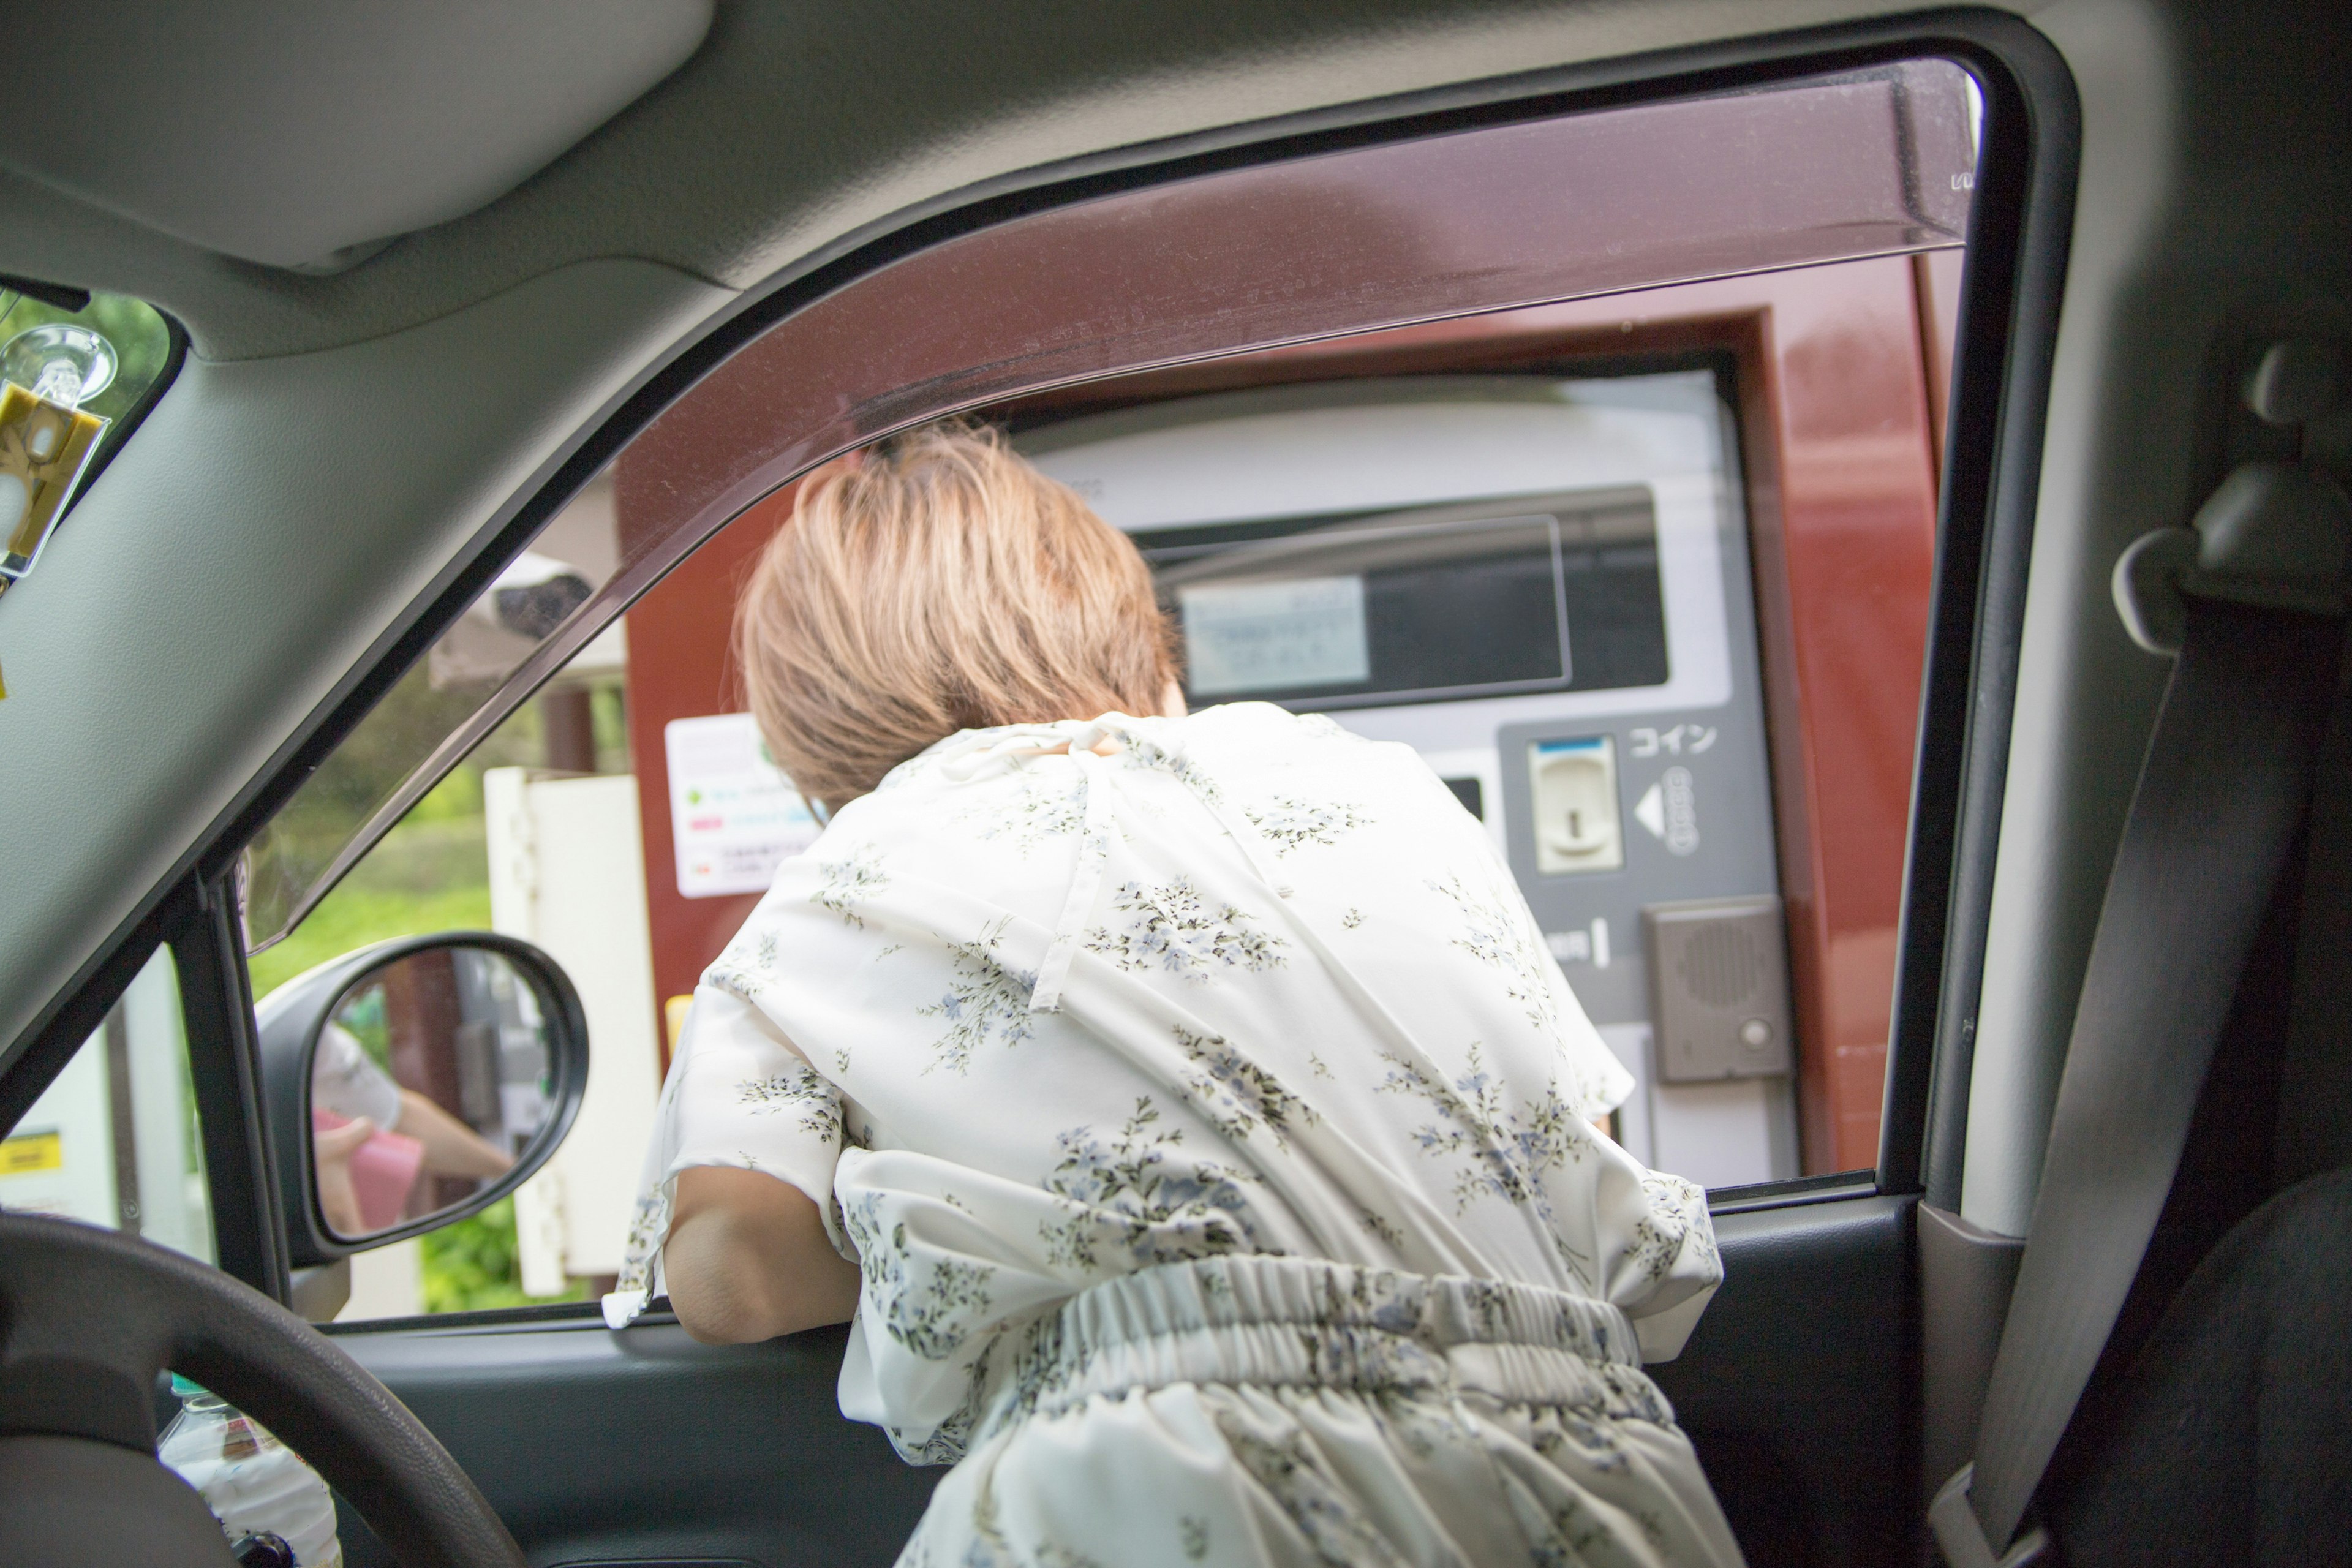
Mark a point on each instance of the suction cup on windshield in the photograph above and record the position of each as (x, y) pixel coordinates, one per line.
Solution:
(62, 362)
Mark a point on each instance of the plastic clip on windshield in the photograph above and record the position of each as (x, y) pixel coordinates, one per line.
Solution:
(2250, 600)
(46, 436)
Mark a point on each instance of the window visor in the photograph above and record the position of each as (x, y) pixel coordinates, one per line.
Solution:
(1874, 163)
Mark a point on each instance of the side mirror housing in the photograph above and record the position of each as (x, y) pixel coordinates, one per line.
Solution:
(416, 1082)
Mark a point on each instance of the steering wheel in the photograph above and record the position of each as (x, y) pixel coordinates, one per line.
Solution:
(92, 1318)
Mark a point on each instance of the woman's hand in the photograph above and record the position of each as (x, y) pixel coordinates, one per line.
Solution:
(748, 1258)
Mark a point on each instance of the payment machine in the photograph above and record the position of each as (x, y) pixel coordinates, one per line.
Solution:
(1543, 586)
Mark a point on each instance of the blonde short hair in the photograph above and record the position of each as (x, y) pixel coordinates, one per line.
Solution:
(939, 584)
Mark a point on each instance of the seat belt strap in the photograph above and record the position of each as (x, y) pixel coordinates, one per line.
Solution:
(2220, 797)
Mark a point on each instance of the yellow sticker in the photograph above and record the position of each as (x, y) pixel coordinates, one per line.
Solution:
(43, 446)
(30, 1151)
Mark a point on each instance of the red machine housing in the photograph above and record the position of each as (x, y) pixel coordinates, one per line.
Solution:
(1840, 372)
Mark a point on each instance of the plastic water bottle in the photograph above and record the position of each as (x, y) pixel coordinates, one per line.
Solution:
(254, 1484)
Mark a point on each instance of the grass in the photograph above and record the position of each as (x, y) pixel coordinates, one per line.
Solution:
(426, 876)
(474, 1264)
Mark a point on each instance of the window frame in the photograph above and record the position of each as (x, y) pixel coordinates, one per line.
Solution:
(2018, 236)
(197, 922)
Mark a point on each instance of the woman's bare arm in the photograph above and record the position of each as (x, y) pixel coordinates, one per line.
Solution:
(451, 1148)
(748, 1258)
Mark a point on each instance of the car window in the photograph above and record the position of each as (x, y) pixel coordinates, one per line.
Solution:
(1874, 162)
(113, 1140)
(1644, 575)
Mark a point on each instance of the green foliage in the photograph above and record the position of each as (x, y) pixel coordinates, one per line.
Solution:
(459, 794)
(475, 1264)
(365, 1017)
(411, 886)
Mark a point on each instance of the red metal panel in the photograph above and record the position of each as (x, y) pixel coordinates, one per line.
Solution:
(1848, 403)
(679, 667)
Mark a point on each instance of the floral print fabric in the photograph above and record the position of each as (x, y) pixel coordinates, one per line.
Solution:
(1349, 1416)
(1058, 1005)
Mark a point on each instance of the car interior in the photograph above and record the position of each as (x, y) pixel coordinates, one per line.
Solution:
(1851, 497)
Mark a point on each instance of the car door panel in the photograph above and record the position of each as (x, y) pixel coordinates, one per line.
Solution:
(1797, 1387)
(644, 1447)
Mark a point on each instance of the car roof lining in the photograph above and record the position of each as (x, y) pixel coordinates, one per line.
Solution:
(793, 128)
(304, 136)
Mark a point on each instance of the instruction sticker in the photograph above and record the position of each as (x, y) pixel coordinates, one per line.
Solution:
(30, 1151)
(43, 446)
(734, 817)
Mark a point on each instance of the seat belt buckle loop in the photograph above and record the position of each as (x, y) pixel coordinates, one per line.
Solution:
(2274, 535)
(1960, 1534)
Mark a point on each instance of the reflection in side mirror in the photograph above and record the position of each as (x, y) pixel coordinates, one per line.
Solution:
(431, 1073)
(416, 1082)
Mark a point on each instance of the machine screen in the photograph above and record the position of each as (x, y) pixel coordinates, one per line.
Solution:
(1435, 604)
(1280, 634)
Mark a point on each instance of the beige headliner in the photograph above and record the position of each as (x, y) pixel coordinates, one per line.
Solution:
(795, 125)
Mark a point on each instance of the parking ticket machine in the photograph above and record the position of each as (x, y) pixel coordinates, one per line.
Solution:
(1542, 585)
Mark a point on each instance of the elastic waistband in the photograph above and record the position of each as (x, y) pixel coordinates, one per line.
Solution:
(1285, 1321)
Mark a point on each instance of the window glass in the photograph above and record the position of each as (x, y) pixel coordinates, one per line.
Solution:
(114, 1140)
(431, 872)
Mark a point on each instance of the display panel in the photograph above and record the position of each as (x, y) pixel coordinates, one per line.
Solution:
(1421, 606)
(1278, 634)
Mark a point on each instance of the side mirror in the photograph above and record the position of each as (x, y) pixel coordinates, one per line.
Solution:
(415, 1082)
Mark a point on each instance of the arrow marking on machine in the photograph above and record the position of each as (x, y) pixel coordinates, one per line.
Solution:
(1650, 811)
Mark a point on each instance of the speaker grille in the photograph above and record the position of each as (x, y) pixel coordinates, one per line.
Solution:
(1720, 965)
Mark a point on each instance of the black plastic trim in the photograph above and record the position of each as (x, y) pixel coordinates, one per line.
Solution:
(225, 1066)
(1836, 1187)
(57, 296)
(582, 1312)
(1800, 1386)
(2020, 231)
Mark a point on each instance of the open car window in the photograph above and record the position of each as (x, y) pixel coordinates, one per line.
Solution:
(1596, 457)
(1876, 162)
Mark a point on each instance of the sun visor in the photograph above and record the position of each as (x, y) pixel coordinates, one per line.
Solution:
(299, 135)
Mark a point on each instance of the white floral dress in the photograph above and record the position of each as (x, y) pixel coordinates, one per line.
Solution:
(1211, 1127)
